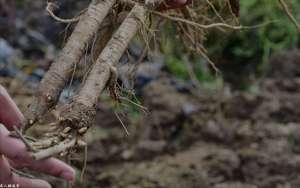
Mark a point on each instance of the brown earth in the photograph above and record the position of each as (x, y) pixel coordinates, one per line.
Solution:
(224, 139)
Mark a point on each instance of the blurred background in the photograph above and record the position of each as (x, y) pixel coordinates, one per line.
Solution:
(188, 125)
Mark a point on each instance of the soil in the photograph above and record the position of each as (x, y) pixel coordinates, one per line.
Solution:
(223, 139)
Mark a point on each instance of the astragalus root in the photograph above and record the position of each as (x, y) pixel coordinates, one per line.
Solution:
(72, 120)
(60, 71)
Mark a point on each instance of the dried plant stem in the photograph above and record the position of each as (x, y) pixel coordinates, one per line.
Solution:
(289, 13)
(20, 136)
(84, 163)
(49, 8)
(20, 173)
(215, 10)
(208, 26)
(122, 123)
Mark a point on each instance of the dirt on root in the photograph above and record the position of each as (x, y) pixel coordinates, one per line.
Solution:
(225, 139)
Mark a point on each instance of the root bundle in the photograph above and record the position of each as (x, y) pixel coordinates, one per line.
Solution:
(69, 122)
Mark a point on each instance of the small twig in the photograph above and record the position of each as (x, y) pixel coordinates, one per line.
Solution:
(192, 74)
(289, 14)
(136, 104)
(84, 163)
(234, 8)
(200, 51)
(20, 173)
(20, 136)
(209, 26)
(15, 135)
(215, 11)
(211, 63)
(68, 161)
(50, 11)
(124, 126)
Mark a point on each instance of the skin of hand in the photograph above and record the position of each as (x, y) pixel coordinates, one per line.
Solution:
(172, 4)
(13, 152)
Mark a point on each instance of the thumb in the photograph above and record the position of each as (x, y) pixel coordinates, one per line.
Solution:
(10, 114)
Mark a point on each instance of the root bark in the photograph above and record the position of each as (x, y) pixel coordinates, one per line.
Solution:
(60, 71)
(80, 112)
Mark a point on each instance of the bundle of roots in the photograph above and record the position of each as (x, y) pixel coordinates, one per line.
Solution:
(67, 123)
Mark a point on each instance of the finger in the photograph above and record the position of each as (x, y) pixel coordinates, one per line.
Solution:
(29, 183)
(7, 177)
(10, 114)
(54, 167)
(5, 172)
(17, 152)
(13, 148)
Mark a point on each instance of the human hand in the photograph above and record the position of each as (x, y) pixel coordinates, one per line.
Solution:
(13, 152)
(172, 4)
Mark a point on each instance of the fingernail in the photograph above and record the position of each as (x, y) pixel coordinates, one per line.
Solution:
(68, 175)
